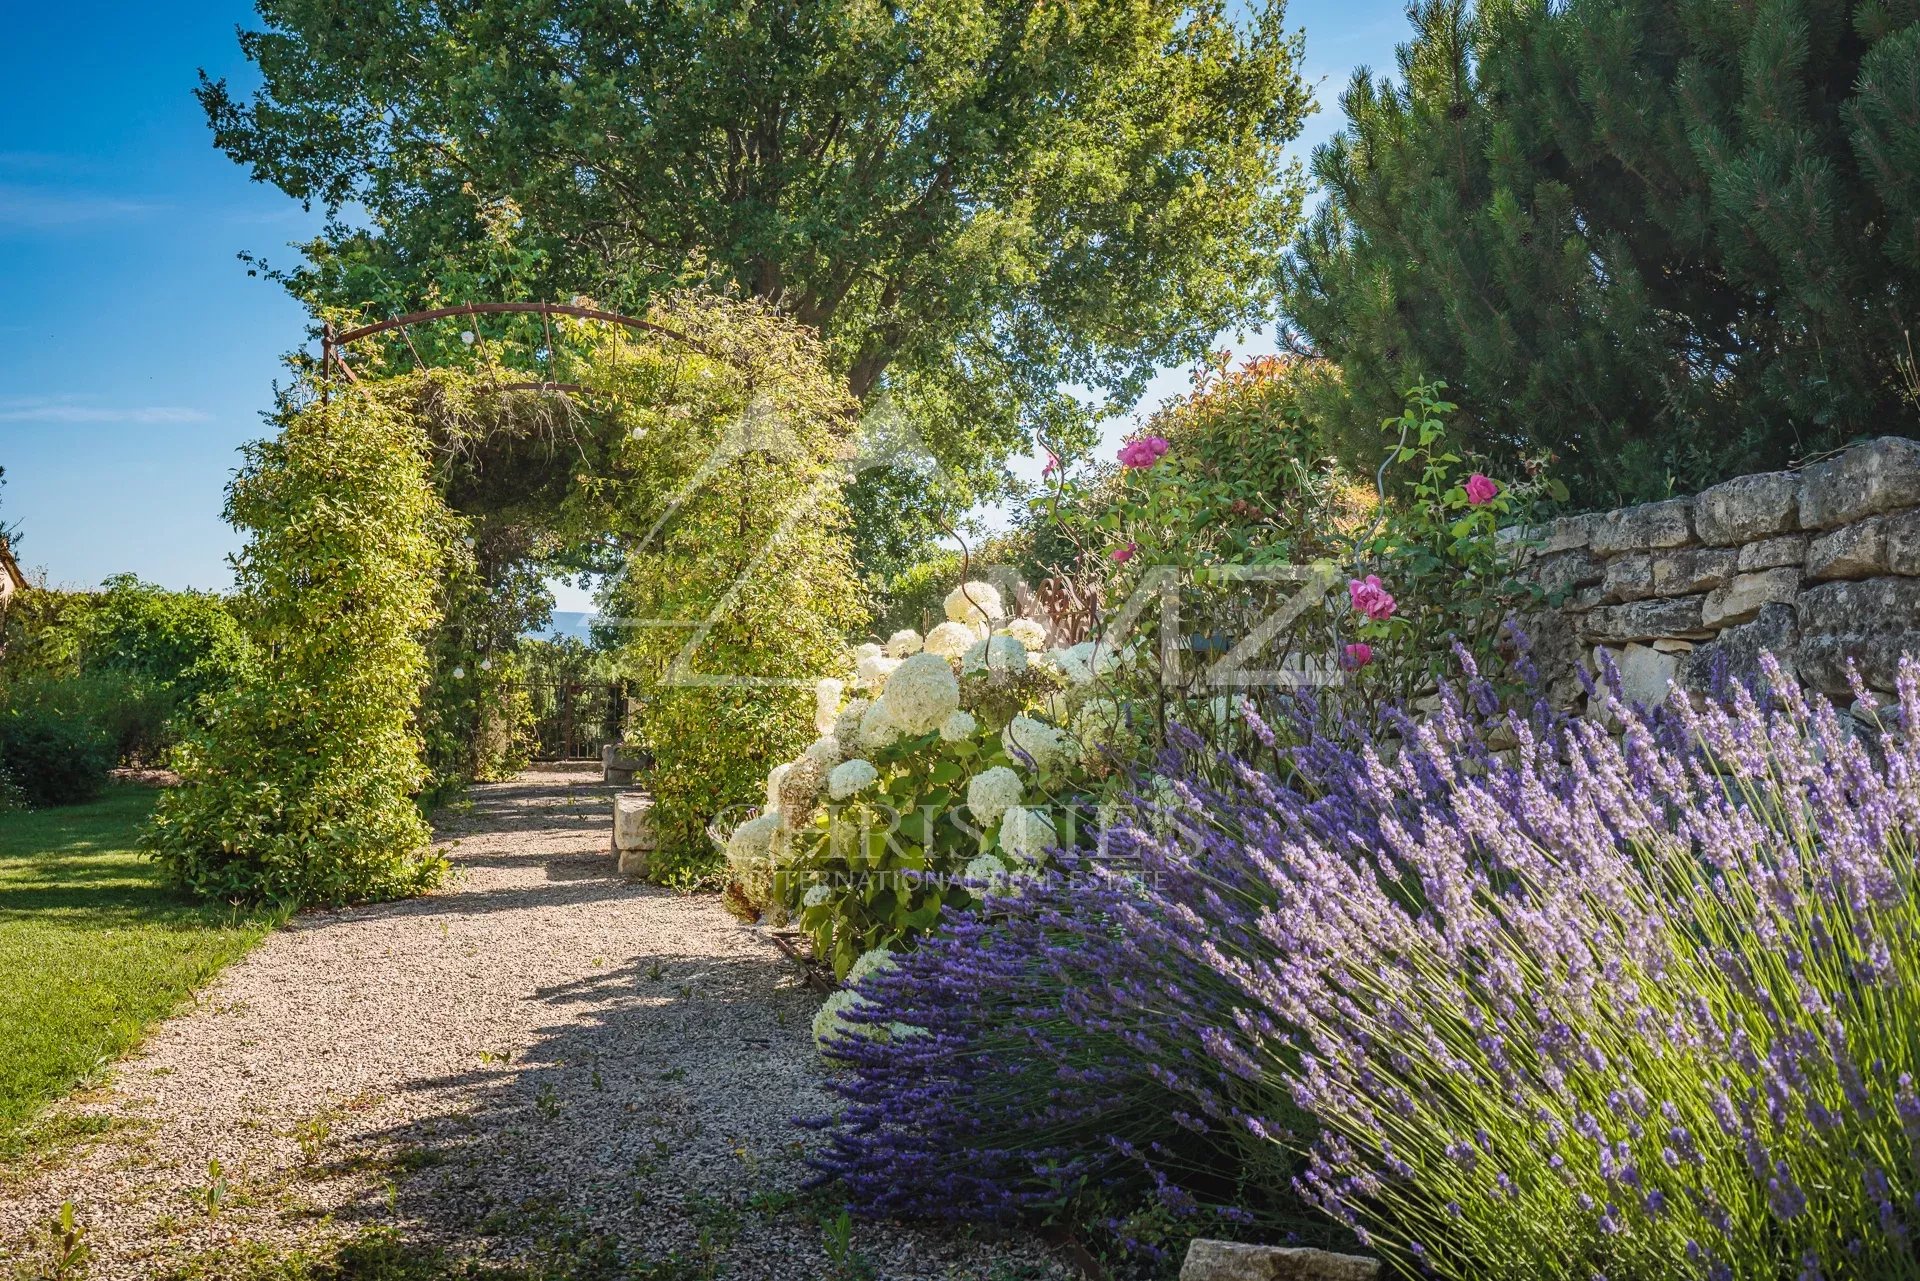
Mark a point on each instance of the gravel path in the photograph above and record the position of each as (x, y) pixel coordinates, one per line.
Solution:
(542, 1061)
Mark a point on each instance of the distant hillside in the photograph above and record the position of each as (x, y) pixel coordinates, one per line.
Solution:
(567, 622)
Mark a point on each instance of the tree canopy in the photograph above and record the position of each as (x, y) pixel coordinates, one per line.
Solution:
(1669, 240)
(976, 201)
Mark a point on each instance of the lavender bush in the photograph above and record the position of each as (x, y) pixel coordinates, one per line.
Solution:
(1645, 1005)
(1044, 1059)
(1060, 1058)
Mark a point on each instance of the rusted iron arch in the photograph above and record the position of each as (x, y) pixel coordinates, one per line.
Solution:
(332, 340)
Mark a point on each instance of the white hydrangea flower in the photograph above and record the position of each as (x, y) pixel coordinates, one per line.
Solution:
(826, 704)
(865, 650)
(780, 849)
(816, 896)
(878, 728)
(824, 751)
(904, 643)
(958, 726)
(986, 876)
(905, 1031)
(1101, 660)
(1071, 664)
(873, 670)
(975, 602)
(774, 779)
(949, 640)
(1031, 635)
(995, 653)
(1099, 723)
(992, 793)
(869, 963)
(846, 730)
(921, 693)
(751, 844)
(1044, 744)
(829, 1025)
(851, 777)
(1026, 834)
(799, 791)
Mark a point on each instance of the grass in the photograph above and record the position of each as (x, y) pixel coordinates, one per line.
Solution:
(93, 947)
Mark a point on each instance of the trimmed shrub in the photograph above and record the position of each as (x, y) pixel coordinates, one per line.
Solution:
(300, 786)
(54, 748)
(725, 486)
(141, 660)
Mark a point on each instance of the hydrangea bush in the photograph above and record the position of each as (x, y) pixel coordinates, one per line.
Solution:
(933, 783)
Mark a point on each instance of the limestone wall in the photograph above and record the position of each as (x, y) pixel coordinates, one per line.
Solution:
(1818, 566)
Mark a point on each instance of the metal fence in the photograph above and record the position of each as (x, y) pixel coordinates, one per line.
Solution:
(573, 720)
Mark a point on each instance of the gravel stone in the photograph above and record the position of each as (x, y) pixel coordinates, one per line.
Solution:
(542, 1046)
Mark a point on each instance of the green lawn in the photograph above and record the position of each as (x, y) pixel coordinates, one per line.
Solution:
(93, 948)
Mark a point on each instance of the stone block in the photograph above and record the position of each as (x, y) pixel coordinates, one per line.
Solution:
(1646, 673)
(1734, 655)
(1879, 476)
(1869, 604)
(1569, 533)
(1560, 573)
(623, 759)
(1747, 507)
(1551, 646)
(1871, 622)
(633, 822)
(1234, 1261)
(1688, 570)
(1876, 655)
(1674, 617)
(1772, 553)
(1741, 599)
(1858, 550)
(1629, 577)
(1903, 542)
(1585, 599)
(1648, 527)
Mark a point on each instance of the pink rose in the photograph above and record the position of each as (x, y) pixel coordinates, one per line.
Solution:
(1121, 555)
(1370, 598)
(1143, 452)
(1482, 490)
(1358, 655)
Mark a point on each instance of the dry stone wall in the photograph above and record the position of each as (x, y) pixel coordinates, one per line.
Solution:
(1819, 567)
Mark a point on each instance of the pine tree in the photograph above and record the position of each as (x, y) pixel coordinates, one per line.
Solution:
(1667, 240)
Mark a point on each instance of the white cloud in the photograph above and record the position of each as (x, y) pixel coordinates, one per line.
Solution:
(69, 410)
(43, 208)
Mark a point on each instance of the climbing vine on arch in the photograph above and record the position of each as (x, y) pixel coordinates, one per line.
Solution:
(695, 462)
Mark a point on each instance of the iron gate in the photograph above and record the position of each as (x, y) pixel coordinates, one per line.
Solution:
(573, 720)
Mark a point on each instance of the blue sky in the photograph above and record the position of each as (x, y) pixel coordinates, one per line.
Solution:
(136, 355)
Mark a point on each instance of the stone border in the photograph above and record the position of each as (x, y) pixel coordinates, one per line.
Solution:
(1819, 567)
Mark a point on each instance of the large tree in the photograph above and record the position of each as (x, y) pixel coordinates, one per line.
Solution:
(978, 202)
(1670, 240)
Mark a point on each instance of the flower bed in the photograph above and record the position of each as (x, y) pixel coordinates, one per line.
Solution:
(1624, 1005)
